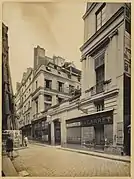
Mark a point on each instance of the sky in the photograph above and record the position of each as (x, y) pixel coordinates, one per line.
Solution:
(56, 27)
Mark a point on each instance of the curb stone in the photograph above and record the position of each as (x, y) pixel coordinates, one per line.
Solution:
(95, 154)
(87, 153)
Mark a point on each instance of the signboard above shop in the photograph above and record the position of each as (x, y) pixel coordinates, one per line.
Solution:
(91, 120)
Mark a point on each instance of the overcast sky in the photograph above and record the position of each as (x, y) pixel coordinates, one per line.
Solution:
(57, 27)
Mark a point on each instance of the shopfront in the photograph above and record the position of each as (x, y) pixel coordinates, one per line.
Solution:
(93, 130)
(97, 129)
(73, 133)
(40, 130)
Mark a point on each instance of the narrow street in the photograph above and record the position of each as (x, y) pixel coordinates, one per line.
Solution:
(47, 161)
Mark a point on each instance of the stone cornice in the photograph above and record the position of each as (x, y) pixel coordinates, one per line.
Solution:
(85, 101)
(89, 10)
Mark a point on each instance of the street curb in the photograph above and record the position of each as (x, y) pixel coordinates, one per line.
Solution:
(86, 153)
(96, 155)
(9, 173)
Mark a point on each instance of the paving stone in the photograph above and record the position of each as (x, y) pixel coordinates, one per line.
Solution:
(23, 173)
(49, 162)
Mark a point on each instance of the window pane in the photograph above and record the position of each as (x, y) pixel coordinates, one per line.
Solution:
(103, 16)
(99, 21)
(104, 9)
(99, 15)
(98, 26)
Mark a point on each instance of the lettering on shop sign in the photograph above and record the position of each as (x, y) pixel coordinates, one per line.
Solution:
(74, 124)
(99, 120)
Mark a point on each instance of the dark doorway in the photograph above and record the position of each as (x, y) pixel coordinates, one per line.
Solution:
(49, 134)
(57, 131)
(99, 137)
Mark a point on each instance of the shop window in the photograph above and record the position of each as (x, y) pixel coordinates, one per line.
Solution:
(101, 16)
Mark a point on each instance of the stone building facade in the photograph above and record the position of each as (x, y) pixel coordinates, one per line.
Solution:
(48, 83)
(9, 120)
(100, 117)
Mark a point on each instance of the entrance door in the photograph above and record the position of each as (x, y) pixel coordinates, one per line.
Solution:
(99, 135)
(49, 133)
(57, 132)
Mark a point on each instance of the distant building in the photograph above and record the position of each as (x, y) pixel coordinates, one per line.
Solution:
(9, 120)
(48, 83)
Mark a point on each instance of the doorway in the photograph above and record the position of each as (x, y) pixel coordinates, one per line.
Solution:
(57, 132)
(99, 136)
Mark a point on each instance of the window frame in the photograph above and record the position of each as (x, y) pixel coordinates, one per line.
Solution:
(99, 11)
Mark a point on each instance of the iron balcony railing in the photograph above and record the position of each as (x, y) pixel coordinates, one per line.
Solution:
(98, 88)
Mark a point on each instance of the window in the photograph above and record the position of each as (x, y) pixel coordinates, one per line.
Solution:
(47, 105)
(48, 68)
(128, 26)
(36, 84)
(99, 105)
(29, 104)
(71, 88)
(101, 16)
(79, 78)
(47, 98)
(99, 79)
(36, 104)
(48, 84)
(24, 108)
(60, 86)
(60, 100)
(29, 79)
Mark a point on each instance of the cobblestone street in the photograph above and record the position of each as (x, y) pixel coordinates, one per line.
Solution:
(49, 161)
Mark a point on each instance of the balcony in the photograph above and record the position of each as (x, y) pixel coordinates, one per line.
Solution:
(102, 87)
(98, 88)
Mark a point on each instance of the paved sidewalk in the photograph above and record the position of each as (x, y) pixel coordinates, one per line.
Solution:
(97, 154)
(8, 168)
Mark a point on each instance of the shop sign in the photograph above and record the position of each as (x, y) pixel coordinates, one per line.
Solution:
(74, 124)
(97, 120)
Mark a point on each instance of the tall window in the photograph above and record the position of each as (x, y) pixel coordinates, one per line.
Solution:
(36, 103)
(36, 84)
(101, 16)
(60, 86)
(28, 104)
(48, 84)
(99, 79)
